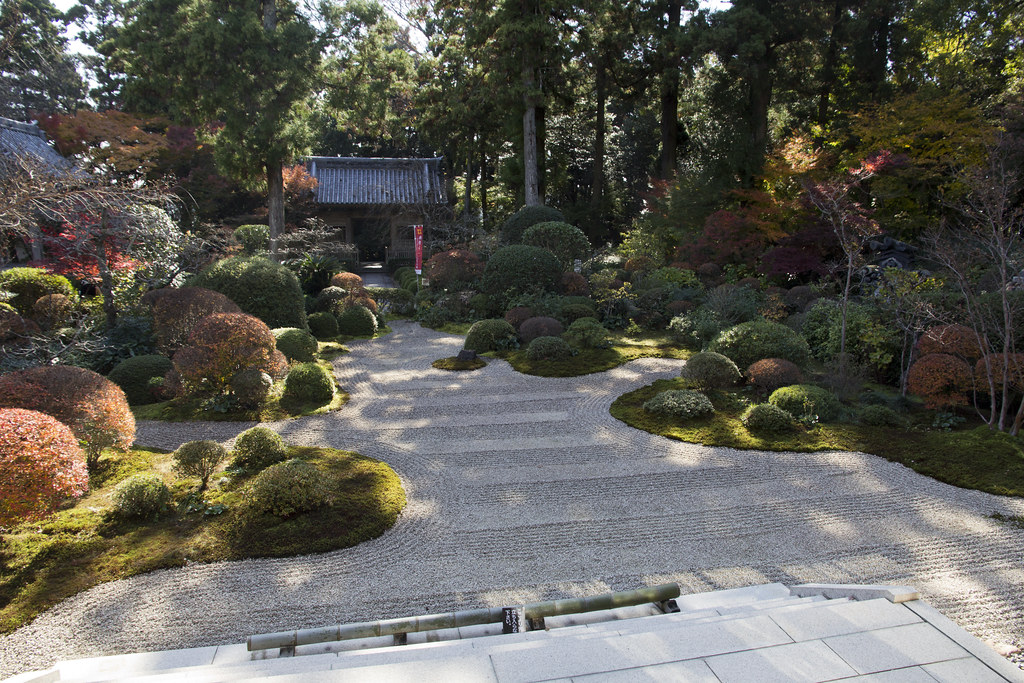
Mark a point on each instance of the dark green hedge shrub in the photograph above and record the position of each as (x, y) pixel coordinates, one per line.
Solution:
(570, 313)
(683, 403)
(141, 495)
(513, 228)
(329, 298)
(133, 375)
(295, 344)
(491, 335)
(323, 325)
(286, 489)
(29, 284)
(357, 321)
(751, 341)
(253, 238)
(260, 287)
(565, 241)
(805, 400)
(587, 333)
(549, 348)
(309, 383)
(519, 269)
(710, 370)
(539, 326)
(768, 419)
(258, 448)
(397, 300)
(251, 387)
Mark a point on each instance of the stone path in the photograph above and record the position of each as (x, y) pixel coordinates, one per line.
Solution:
(524, 488)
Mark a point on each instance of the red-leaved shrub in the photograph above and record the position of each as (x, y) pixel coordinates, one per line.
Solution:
(539, 326)
(997, 362)
(770, 374)
(350, 282)
(574, 284)
(957, 340)
(221, 345)
(940, 379)
(517, 315)
(93, 407)
(41, 465)
(177, 311)
(453, 268)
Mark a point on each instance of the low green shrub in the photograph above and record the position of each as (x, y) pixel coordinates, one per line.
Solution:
(734, 304)
(395, 300)
(309, 383)
(141, 495)
(29, 284)
(549, 348)
(258, 448)
(587, 333)
(287, 488)
(133, 376)
(198, 459)
(767, 418)
(751, 341)
(491, 335)
(251, 387)
(295, 344)
(564, 240)
(881, 416)
(806, 400)
(520, 269)
(710, 370)
(681, 403)
(515, 225)
(696, 328)
(53, 311)
(570, 313)
(357, 321)
(323, 325)
(253, 238)
(329, 298)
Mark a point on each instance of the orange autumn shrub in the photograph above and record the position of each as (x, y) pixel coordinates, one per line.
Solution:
(454, 268)
(770, 374)
(957, 340)
(941, 379)
(998, 363)
(177, 311)
(220, 346)
(350, 282)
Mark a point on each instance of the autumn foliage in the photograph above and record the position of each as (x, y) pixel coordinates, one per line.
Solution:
(177, 311)
(93, 407)
(453, 268)
(350, 282)
(770, 374)
(941, 379)
(957, 340)
(41, 465)
(221, 345)
(995, 365)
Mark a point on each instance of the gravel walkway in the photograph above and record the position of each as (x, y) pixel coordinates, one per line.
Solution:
(523, 488)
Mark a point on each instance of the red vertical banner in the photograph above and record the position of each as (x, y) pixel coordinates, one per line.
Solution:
(417, 231)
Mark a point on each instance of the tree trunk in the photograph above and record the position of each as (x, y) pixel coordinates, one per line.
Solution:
(530, 181)
(275, 204)
(669, 95)
(106, 278)
(269, 15)
(597, 193)
(467, 197)
(483, 181)
(759, 103)
(828, 75)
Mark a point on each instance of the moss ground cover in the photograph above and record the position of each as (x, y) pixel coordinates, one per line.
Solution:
(587, 361)
(454, 364)
(971, 457)
(81, 546)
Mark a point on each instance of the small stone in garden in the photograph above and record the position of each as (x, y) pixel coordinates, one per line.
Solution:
(466, 354)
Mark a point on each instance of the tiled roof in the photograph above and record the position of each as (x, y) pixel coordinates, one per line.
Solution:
(350, 180)
(25, 139)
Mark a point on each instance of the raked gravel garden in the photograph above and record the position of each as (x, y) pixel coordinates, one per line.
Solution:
(522, 487)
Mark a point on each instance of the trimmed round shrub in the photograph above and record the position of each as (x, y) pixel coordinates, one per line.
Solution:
(295, 344)
(679, 307)
(695, 329)
(287, 488)
(513, 228)
(357, 321)
(941, 380)
(520, 269)
(177, 311)
(13, 326)
(219, 347)
(956, 340)
(41, 465)
(681, 403)
(29, 284)
(93, 407)
(141, 495)
(329, 298)
(570, 313)
(587, 333)
(348, 281)
(549, 348)
(709, 370)
(490, 335)
(133, 375)
(768, 418)
(517, 315)
(251, 387)
(198, 459)
(880, 416)
(574, 284)
(806, 399)
(453, 269)
(258, 448)
(323, 325)
(53, 310)
(799, 297)
(253, 238)
(565, 241)
(260, 287)
(539, 326)
(757, 339)
(309, 383)
(769, 374)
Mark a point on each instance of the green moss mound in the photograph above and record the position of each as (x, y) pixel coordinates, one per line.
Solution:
(453, 364)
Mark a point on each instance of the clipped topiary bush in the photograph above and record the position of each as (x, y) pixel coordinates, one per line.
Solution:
(295, 344)
(710, 370)
(570, 313)
(258, 448)
(513, 228)
(350, 282)
(539, 326)
(330, 298)
(221, 346)
(769, 374)
(881, 416)
(198, 459)
(133, 375)
(287, 488)
(940, 379)
(29, 284)
(549, 348)
(177, 311)
(491, 335)
(251, 387)
(309, 383)
(141, 495)
(751, 341)
(93, 407)
(357, 321)
(41, 465)
(681, 403)
(453, 269)
(587, 333)
(53, 310)
(520, 269)
(767, 418)
(574, 284)
(517, 315)
(807, 400)
(253, 238)
(565, 241)
(323, 325)
(260, 287)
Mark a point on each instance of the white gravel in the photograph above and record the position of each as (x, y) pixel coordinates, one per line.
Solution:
(523, 488)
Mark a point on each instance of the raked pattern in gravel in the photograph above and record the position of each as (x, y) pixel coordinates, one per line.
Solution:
(522, 488)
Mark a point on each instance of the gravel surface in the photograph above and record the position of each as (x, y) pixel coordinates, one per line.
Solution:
(523, 488)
